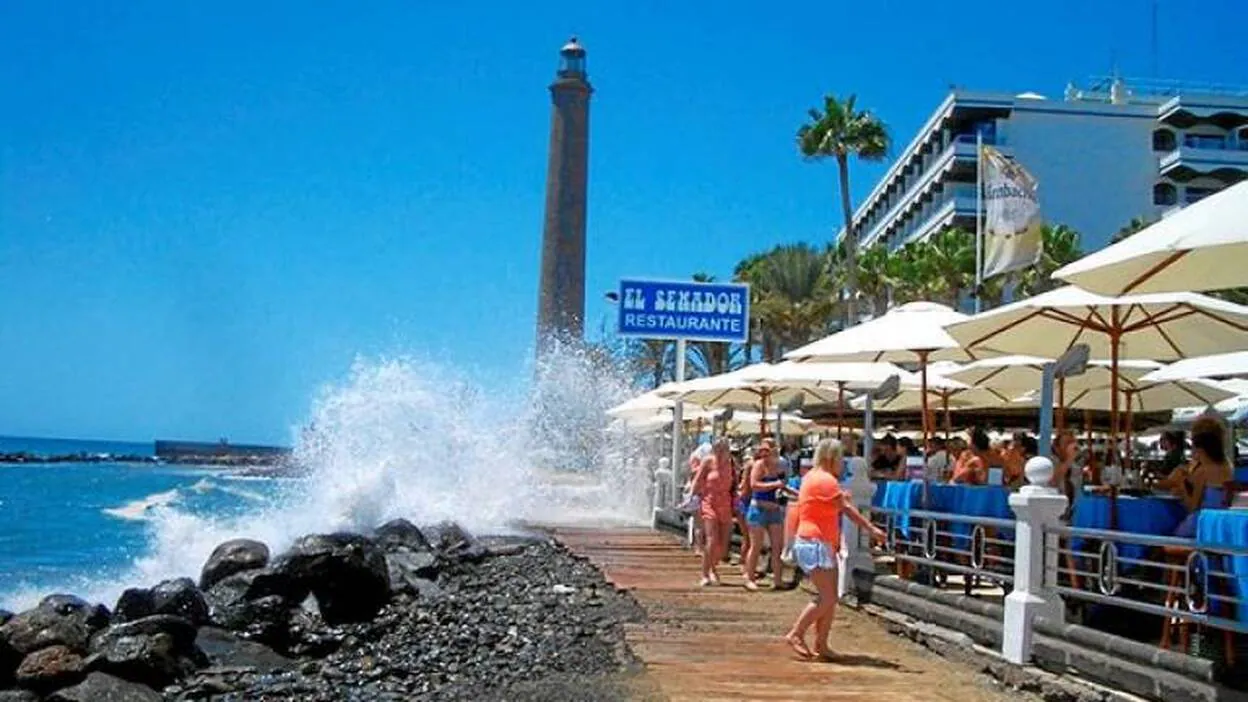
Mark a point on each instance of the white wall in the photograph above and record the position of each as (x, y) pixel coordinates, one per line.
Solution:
(1096, 172)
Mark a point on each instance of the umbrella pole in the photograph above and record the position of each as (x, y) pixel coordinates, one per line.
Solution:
(762, 416)
(944, 399)
(923, 398)
(1061, 403)
(926, 447)
(1114, 338)
(840, 409)
(1126, 431)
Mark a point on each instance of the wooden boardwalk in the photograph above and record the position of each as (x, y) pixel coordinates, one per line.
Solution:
(724, 643)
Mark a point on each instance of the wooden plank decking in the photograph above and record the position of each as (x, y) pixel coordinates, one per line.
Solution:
(724, 643)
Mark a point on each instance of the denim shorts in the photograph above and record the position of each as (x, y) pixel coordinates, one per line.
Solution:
(812, 555)
(759, 517)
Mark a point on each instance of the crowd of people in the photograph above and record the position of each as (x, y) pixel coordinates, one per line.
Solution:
(791, 503)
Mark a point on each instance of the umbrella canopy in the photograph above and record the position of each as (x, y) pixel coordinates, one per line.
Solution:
(1201, 247)
(911, 400)
(1222, 365)
(1022, 374)
(1165, 326)
(646, 405)
(746, 422)
(914, 332)
(757, 385)
(1162, 327)
(1152, 397)
(896, 337)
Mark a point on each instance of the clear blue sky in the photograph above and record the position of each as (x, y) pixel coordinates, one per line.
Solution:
(207, 209)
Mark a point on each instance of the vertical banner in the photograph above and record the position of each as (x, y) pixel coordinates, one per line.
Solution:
(1012, 227)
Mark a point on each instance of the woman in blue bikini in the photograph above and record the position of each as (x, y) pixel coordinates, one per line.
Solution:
(765, 515)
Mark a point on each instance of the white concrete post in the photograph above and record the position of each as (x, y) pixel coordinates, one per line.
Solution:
(663, 482)
(1038, 506)
(856, 551)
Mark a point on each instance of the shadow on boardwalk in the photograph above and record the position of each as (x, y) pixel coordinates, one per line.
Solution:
(724, 643)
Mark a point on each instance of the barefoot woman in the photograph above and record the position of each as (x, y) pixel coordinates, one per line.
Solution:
(817, 539)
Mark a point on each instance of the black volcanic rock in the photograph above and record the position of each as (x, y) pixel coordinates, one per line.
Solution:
(233, 557)
(57, 620)
(154, 651)
(134, 603)
(100, 687)
(18, 696)
(401, 533)
(448, 536)
(5, 615)
(50, 668)
(347, 574)
(226, 650)
(180, 598)
(256, 604)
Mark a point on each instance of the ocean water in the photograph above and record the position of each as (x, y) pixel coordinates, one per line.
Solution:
(72, 526)
(394, 437)
(73, 447)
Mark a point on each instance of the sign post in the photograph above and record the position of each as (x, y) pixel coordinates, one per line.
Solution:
(683, 311)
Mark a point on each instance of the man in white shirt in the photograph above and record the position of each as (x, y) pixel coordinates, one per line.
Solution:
(938, 461)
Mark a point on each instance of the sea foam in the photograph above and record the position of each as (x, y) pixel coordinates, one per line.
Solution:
(400, 437)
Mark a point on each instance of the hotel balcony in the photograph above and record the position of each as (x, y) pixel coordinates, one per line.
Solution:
(954, 206)
(1205, 155)
(956, 162)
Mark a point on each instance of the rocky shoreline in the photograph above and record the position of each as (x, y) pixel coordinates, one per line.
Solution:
(405, 613)
(268, 464)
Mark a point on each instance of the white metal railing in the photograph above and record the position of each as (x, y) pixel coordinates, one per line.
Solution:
(1172, 578)
(977, 548)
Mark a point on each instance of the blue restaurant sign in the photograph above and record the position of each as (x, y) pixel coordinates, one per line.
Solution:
(654, 309)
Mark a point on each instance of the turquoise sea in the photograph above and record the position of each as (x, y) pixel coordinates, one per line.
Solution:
(73, 526)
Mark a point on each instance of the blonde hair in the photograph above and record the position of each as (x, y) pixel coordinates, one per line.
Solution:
(828, 456)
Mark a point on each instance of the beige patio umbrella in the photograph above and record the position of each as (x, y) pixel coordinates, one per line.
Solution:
(1162, 327)
(645, 405)
(850, 376)
(1019, 375)
(1222, 365)
(745, 422)
(1201, 247)
(911, 333)
(756, 386)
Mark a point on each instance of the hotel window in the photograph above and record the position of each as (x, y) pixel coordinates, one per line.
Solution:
(1163, 140)
(1165, 194)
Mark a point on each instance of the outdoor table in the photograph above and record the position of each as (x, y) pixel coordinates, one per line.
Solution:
(992, 501)
(1158, 516)
(1227, 528)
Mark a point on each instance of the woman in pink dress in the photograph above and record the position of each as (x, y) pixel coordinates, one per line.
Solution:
(714, 485)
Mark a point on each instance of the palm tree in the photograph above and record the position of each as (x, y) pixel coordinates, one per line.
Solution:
(839, 131)
(712, 357)
(951, 264)
(795, 298)
(875, 277)
(1135, 225)
(1061, 246)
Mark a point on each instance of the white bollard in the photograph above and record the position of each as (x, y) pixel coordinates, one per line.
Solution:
(1037, 506)
(856, 551)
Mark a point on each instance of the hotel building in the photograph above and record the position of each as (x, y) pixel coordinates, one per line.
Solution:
(1102, 156)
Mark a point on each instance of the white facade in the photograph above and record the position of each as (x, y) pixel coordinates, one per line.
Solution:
(1101, 157)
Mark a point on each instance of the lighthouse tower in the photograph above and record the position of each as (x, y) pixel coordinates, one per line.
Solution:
(561, 295)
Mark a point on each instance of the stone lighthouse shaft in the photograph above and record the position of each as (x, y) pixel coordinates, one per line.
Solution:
(561, 294)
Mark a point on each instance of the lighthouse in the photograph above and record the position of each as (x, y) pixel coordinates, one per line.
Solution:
(561, 293)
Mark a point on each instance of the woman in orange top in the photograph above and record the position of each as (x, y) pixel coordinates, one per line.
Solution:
(713, 484)
(816, 541)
